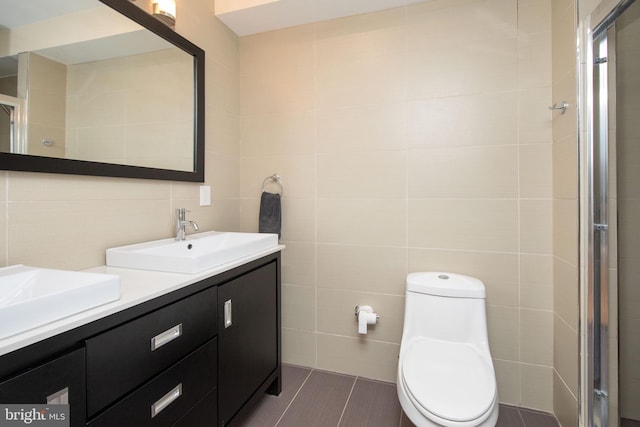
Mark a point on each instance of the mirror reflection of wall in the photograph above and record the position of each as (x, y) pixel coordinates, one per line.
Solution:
(109, 92)
(6, 116)
(46, 107)
(135, 110)
(8, 87)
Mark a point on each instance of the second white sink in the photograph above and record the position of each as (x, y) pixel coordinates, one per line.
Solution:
(31, 296)
(197, 253)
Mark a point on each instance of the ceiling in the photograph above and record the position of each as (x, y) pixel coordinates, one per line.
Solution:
(246, 17)
(17, 13)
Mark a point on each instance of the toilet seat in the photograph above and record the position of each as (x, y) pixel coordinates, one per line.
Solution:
(450, 380)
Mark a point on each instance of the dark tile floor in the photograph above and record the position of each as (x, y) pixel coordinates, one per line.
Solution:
(313, 398)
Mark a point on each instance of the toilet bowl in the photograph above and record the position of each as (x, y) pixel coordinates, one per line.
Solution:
(445, 371)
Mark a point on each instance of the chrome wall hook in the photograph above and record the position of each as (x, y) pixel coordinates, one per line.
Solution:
(562, 107)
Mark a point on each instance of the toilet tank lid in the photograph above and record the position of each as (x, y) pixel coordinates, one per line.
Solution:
(445, 284)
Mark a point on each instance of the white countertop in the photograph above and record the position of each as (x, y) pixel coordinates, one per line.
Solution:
(136, 287)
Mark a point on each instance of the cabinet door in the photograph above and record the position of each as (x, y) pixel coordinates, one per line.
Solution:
(63, 377)
(247, 337)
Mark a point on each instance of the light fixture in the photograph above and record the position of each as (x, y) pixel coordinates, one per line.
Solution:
(165, 11)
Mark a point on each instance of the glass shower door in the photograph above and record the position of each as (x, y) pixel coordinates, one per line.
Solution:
(613, 229)
(627, 80)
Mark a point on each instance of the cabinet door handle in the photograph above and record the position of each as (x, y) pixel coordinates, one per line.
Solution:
(166, 400)
(166, 337)
(228, 315)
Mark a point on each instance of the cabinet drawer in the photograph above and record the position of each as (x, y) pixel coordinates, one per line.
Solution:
(57, 377)
(166, 398)
(122, 358)
(204, 414)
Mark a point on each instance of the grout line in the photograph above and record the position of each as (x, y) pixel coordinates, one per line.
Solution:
(564, 383)
(294, 397)
(346, 403)
(521, 418)
(402, 414)
(519, 96)
(315, 193)
(407, 150)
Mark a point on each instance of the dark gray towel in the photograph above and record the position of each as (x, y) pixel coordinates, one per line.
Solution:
(270, 213)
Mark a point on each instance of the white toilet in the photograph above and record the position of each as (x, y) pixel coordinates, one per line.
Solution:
(445, 372)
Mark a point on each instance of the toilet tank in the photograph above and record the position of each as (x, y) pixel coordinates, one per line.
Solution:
(445, 306)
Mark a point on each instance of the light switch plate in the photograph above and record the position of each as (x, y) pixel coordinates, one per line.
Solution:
(205, 195)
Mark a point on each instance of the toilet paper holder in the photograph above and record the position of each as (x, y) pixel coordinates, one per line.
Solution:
(366, 316)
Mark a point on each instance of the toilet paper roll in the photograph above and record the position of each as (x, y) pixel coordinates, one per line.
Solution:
(366, 318)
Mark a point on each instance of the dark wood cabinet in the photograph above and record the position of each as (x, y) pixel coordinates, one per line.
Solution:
(124, 357)
(62, 377)
(248, 330)
(204, 413)
(174, 360)
(165, 399)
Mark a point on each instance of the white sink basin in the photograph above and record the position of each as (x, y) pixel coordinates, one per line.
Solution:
(31, 296)
(197, 253)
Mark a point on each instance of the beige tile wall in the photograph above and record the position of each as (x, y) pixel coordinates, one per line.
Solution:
(412, 139)
(565, 215)
(64, 221)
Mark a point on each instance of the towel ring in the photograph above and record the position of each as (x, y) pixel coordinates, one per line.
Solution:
(275, 178)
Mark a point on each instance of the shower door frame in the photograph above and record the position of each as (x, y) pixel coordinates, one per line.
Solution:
(18, 123)
(597, 42)
(597, 230)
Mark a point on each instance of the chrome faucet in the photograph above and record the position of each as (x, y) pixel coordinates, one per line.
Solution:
(181, 223)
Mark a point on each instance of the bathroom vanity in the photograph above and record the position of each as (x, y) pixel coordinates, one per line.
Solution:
(176, 349)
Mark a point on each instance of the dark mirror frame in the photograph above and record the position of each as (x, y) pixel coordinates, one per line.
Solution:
(29, 163)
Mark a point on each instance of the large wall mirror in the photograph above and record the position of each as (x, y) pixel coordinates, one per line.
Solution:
(98, 87)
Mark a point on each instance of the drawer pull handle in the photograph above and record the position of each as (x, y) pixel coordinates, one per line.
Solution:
(166, 400)
(228, 321)
(166, 337)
